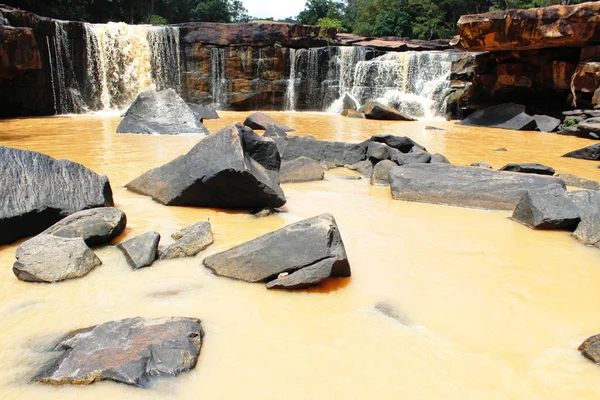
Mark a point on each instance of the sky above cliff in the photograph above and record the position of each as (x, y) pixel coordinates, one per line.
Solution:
(277, 9)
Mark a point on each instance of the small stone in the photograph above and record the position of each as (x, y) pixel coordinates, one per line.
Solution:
(142, 250)
(482, 164)
(190, 241)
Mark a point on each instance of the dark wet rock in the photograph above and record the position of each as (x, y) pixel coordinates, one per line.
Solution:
(49, 258)
(335, 153)
(411, 158)
(353, 114)
(233, 168)
(273, 131)
(375, 110)
(379, 151)
(434, 128)
(190, 241)
(142, 250)
(402, 143)
(438, 158)
(261, 121)
(588, 230)
(587, 153)
(547, 208)
(391, 312)
(529, 168)
(280, 258)
(589, 129)
(38, 191)
(130, 351)
(546, 123)
(590, 348)
(302, 169)
(504, 116)
(163, 112)
(265, 212)
(381, 173)
(350, 178)
(464, 186)
(577, 181)
(482, 164)
(365, 168)
(568, 131)
(95, 226)
(501, 149)
(348, 102)
(203, 112)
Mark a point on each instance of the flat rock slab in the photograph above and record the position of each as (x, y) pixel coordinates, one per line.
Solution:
(587, 153)
(335, 153)
(529, 168)
(129, 351)
(142, 250)
(546, 123)
(577, 181)
(49, 258)
(375, 110)
(233, 168)
(464, 186)
(590, 348)
(190, 241)
(163, 112)
(38, 191)
(95, 226)
(302, 169)
(298, 255)
(503, 116)
(261, 121)
(547, 208)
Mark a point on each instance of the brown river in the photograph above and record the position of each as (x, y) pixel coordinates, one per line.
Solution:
(491, 309)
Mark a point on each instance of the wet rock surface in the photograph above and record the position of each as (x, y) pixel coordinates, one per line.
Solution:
(95, 226)
(233, 168)
(163, 112)
(39, 191)
(529, 168)
(503, 116)
(142, 250)
(464, 186)
(302, 169)
(375, 110)
(130, 351)
(261, 121)
(190, 241)
(587, 153)
(295, 256)
(49, 258)
(547, 208)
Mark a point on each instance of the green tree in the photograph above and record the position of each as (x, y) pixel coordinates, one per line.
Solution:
(314, 10)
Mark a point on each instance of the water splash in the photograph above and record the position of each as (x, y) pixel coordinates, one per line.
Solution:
(290, 92)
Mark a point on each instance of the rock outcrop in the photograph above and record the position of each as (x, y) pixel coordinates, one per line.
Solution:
(95, 226)
(302, 169)
(587, 153)
(464, 186)
(547, 208)
(141, 251)
(190, 241)
(18, 52)
(49, 258)
(130, 351)
(162, 112)
(233, 168)
(296, 256)
(39, 191)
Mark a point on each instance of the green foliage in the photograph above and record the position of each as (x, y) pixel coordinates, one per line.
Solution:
(277, 45)
(157, 20)
(570, 122)
(327, 23)
(314, 10)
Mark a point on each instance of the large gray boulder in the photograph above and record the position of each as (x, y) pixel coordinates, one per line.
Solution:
(140, 251)
(336, 153)
(162, 112)
(49, 258)
(302, 169)
(260, 121)
(298, 255)
(547, 208)
(375, 110)
(233, 168)
(529, 168)
(129, 351)
(190, 241)
(38, 191)
(587, 153)
(464, 186)
(95, 226)
(504, 116)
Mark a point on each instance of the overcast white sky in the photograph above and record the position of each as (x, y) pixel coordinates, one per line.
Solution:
(277, 9)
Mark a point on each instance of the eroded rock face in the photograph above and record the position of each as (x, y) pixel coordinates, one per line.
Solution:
(129, 351)
(547, 208)
(375, 110)
(233, 168)
(162, 112)
(190, 241)
(556, 26)
(464, 186)
(39, 191)
(302, 169)
(503, 116)
(298, 255)
(95, 226)
(18, 51)
(142, 250)
(49, 258)
(261, 121)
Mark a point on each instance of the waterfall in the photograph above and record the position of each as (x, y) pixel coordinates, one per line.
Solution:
(165, 57)
(349, 59)
(290, 92)
(218, 79)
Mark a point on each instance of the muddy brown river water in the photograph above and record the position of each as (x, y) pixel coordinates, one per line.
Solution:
(492, 309)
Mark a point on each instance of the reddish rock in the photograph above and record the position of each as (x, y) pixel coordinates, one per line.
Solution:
(587, 77)
(18, 52)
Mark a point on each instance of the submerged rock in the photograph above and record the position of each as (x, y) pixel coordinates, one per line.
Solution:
(577, 181)
(464, 186)
(142, 250)
(353, 114)
(482, 164)
(261, 121)
(49, 258)
(302, 169)
(298, 255)
(233, 168)
(587, 153)
(375, 110)
(381, 173)
(38, 191)
(391, 312)
(529, 168)
(129, 351)
(190, 241)
(547, 208)
(163, 112)
(504, 116)
(590, 348)
(335, 153)
(95, 226)
(365, 168)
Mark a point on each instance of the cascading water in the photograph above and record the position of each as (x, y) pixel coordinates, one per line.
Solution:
(218, 79)
(349, 58)
(290, 92)
(165, 57)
